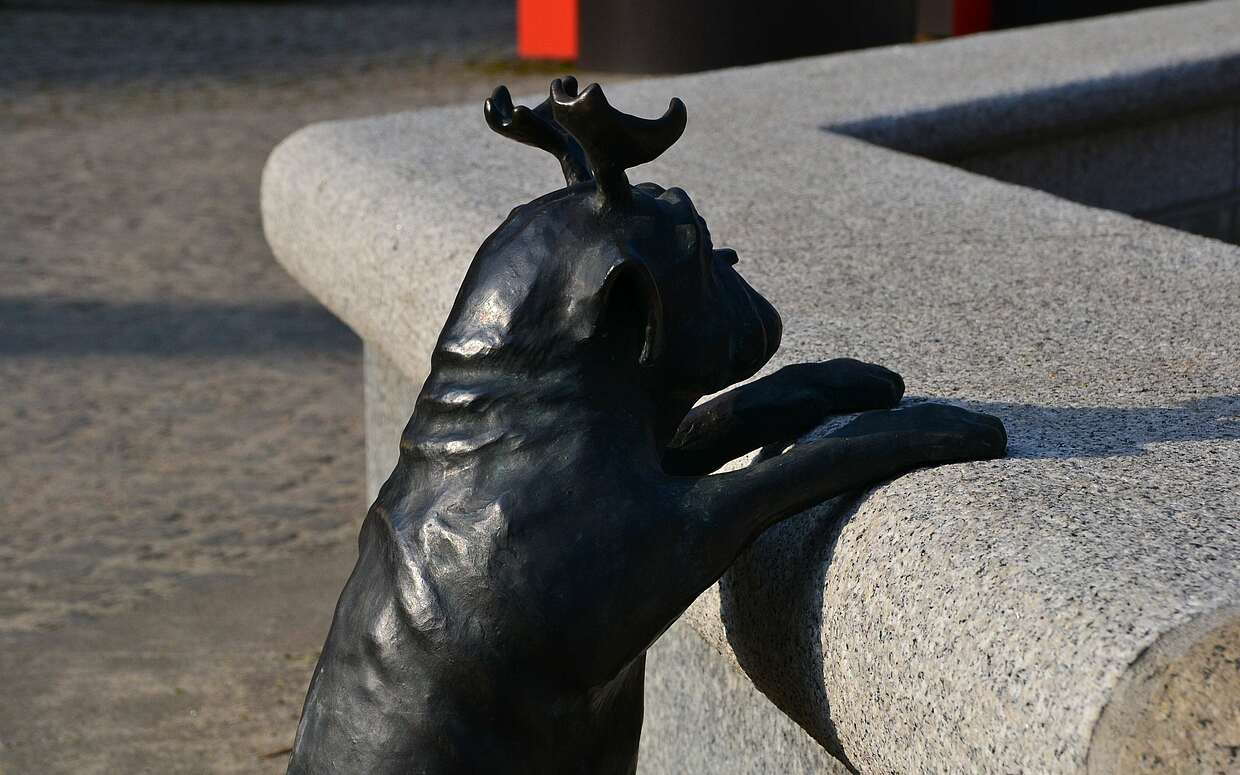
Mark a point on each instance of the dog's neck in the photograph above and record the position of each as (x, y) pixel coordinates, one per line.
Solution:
(472, 403)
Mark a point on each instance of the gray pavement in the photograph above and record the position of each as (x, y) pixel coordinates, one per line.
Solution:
(181, 452)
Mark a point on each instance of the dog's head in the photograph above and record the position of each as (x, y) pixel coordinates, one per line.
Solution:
(602, 266)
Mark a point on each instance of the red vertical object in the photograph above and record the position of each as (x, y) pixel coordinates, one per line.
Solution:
(970, 16)
(547, 29)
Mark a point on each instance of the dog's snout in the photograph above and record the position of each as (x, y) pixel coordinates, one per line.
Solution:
(763, 332)
(772, 324)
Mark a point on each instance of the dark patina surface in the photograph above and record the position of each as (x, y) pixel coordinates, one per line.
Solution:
(553, 509)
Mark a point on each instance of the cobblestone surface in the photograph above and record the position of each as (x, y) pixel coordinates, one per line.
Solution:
(181, 455)
(172, 404)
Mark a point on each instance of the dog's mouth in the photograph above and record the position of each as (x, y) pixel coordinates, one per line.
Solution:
(760, 345)
(772, 324)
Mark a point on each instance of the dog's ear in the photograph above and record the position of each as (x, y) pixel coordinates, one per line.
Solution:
(631, 302)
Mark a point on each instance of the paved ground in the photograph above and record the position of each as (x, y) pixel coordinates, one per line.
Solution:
(180, 425)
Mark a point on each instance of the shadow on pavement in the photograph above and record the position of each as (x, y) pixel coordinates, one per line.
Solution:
(79, 42)
(1061, 432)
(69, 327)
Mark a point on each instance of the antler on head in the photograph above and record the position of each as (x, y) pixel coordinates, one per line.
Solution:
(613, 141)
(589, 137)
(538, 128)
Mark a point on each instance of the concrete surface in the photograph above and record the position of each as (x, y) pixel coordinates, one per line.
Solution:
(983, 617)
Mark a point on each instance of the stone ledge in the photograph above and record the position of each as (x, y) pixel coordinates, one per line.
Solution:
(988, 617)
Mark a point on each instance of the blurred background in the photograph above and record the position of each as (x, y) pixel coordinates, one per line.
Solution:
(180, 425)
(655, 36)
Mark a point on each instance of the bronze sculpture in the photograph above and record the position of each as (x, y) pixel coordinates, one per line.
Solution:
(553, 509)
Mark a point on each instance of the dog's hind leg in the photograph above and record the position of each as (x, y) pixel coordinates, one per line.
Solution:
(777, 409)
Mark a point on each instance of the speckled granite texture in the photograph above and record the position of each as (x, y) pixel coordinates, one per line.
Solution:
(704, 718)
(1072, 608)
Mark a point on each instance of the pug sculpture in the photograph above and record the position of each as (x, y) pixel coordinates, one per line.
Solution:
(553, 510)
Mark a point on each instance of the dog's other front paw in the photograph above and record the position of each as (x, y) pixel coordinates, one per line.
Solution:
(936, 433)
(844, 385)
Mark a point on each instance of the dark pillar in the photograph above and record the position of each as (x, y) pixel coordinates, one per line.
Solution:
(672, 36)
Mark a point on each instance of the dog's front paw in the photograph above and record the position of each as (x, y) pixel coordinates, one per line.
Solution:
(844, 385)
(936, 433)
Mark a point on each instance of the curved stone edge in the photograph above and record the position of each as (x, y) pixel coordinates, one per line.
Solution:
(706, 718)
(1177, 707)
